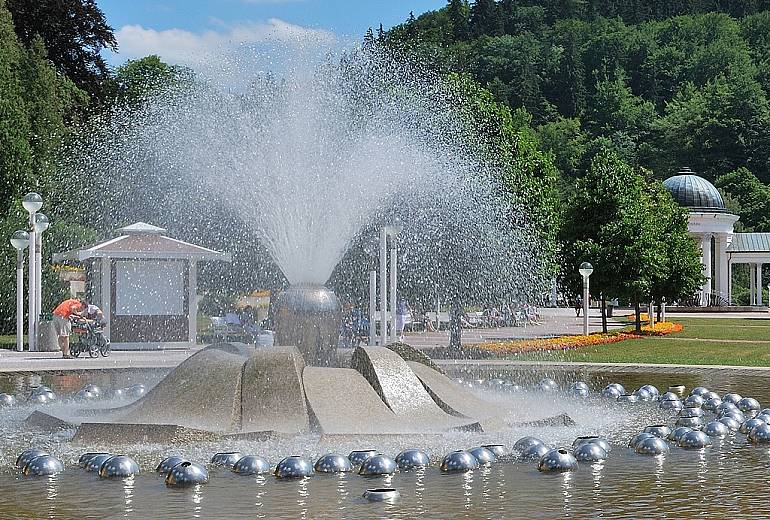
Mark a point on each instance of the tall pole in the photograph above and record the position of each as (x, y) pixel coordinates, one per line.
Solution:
(20, 300)
(372, 307)
(585, 306)
(32, 287)
(38, 282)
(393, 300)
(383, 287)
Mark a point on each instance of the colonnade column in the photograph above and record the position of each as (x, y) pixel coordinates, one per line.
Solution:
(706, 249)
(758, 284)
(752, 285)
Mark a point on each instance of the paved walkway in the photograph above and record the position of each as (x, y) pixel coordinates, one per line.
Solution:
(603, 367)
(12, 361)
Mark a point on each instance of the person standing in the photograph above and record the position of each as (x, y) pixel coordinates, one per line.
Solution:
(62, 324)
(403, 314)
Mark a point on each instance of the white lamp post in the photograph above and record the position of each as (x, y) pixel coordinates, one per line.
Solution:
(20, 241)
(585, 271)
(41, 225)
(32, 202)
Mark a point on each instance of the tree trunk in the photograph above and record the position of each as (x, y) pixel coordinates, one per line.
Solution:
(638, 317)
(660, 310)
(604, 313)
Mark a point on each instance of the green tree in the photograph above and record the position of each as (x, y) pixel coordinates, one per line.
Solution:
(458, 12)
(750, 196)
(483, 18)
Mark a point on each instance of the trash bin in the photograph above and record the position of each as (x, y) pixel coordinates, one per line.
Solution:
(609, 310)
(47, 341)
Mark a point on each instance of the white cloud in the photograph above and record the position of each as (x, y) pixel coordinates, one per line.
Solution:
(186, 47)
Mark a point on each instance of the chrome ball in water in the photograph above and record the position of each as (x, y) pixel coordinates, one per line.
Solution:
(357, 457)
(603, 444)
(732, 398)
(86, 457)
(459, 460)
(738, 416)
(699, 390)
(226, 458)
(94, 464)
(651, 446)
(612, 391)
(694, 440)
(658, 430)
(378, 465)
(7, 400)
(38, 399)
(760, 434)
(711, 395)
(677, 433)
(692, 412)
(730, 422)
(712, 404)
(629, 398)
(187, 474)
(526, 442)
(27, 455)
(333, 463)
(695, 423)
(254, 465)
(535, 452)
(636, 439)
(381, 494)
(716, 429)
(749, 424)
(763, 417)
(749, 405)
(137, 390)
(589, 452)
(497, 449)
(483, 455)
(547, 385)
(293, 467)
(669, 396)
(557, 460)
(671, 404)
(412, 459)
(579, 389)
(43, 465)
(168, 464)
(651, 389)
(693, 401)
(616, 387)
(726, 406)
(83, 395)
(95, 390)
(643, 395)
(119, 466)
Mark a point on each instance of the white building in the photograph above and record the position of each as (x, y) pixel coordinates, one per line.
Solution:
(713, 227)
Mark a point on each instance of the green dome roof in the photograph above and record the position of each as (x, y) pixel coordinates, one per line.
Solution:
(694, 192)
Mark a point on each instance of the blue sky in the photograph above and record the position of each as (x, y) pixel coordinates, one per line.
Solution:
(179, 30)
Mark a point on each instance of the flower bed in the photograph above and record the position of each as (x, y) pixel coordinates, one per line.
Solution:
(575, 342)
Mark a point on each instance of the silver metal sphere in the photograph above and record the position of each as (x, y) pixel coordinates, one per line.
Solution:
(459, 461)
(137, 390)
(535, 452)
(669, 396)
(579, 389)
(119, 466)
(732, 398)
(616, 387)
(168, 464)
(711, 395)
(381, 495)
(699, 390)
(639, 438)
(38, 399)
(42, 389)
(412, 459)
(95, 390)
(253, 465)
(727, 406)
(94, 464)
(483, 455)
(378, 465)
(612, 392)
(711, 404)
(510, 386)
(671, 404)
(86, 457)
(652, 446)
(694, 440)
(589, 452)
(580, 384)
(226, 458)
(547, 385)
(760, 434)
(628, 398)
(119, 393)
(497, 449)
(357, 457)
(692, 412)
(765, 411)
(643, 395)
(187, 474)
(749, 424)
(84, 395)
(526, 442)
(738, 416)
(602, 443)
(333, 463)
(730, 422)
(651, 389)
(677, 433)
(695, 423)
(28, 455)
(7, 400)
(43, 465)
(658, 430)
(749, 405)
(693, 401)
(294, 467)
(558, 460)
(716, 429)
(763, 417)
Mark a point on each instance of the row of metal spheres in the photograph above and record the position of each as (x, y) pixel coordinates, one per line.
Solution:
(89, 392)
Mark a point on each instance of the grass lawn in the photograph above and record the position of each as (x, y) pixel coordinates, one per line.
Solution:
(712, 350)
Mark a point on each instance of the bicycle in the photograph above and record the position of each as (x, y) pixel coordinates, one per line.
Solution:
(90, 339)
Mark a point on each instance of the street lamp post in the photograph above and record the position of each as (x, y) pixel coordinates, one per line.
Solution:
(32, 202)
(20, 241)
(41, 225)
(585, 271)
